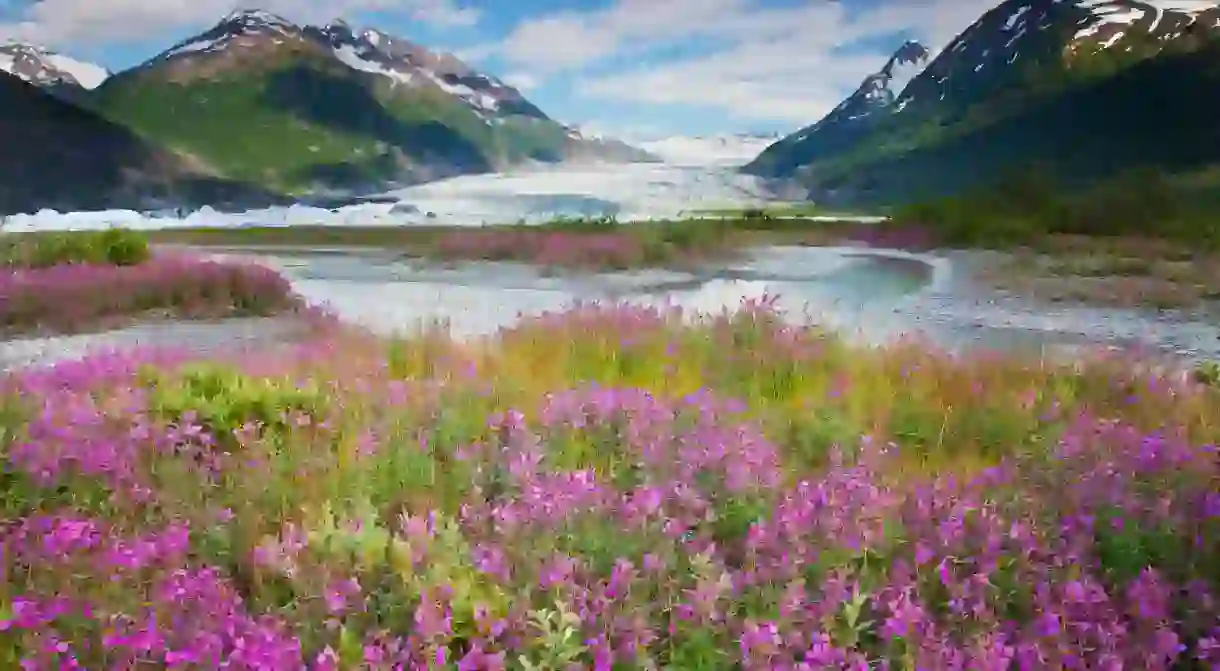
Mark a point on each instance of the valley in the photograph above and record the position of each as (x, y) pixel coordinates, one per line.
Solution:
(815, 336)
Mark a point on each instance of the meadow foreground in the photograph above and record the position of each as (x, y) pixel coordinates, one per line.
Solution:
(608, 488)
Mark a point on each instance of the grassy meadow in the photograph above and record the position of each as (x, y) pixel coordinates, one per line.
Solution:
(608, 488)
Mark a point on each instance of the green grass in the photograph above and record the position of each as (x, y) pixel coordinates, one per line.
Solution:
(116, 247)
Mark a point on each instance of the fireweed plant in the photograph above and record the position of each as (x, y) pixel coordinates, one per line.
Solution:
(609, 487)
(75, 297)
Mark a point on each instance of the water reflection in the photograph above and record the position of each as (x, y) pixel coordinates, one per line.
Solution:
(874, 297)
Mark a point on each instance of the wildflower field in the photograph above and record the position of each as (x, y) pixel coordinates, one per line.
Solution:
(82, 281)
(608, 488)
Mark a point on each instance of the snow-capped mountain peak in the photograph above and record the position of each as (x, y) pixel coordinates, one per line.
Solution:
(997, 50)
(879, 90)
(908, 61)
(256, 20)
(48, 69)
(398, 61)
(243, 27)
(1109, 21)
(405, 63)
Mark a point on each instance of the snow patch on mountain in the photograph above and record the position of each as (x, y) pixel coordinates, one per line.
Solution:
(1111, 20)
(993, 43)
(348, 56)
(371, 51)
(883, 88)
(47, 68)
(88, 75)
(241, 23)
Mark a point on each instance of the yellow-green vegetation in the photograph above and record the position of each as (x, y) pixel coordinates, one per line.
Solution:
(1027, 207)
(1141, 239)
(610, 487)
(116, 247)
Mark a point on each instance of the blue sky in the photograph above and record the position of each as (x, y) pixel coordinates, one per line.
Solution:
(631, 68)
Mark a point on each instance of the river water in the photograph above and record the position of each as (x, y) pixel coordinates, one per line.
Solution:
(871, 296)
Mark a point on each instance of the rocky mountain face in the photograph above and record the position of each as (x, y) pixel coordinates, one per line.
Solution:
(55, 73)
(1003, 80)
(851, 119)
(261, 99)
(57, 155)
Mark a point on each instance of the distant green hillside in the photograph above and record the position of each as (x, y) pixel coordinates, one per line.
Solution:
(1031, 83)
(1163, 113)
(54, 154)
(297, 119)
(259, 99)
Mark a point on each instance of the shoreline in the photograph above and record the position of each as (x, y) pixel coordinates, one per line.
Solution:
(1058, 271)
(952, 280)
(202, 337)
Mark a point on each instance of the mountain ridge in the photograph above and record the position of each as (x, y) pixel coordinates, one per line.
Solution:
(408, 81)
(1015, 59)
(62, 156)
(855, 115)
(56, 73)
(260, 100)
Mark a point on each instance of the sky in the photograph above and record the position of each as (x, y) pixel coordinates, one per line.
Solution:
(633, 69)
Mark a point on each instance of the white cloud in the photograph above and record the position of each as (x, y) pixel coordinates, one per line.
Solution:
(572, 39)
(68, 23)
(522, 81)
(630, 133)
(774, 63)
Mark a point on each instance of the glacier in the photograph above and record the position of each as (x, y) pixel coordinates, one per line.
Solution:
(538, 193)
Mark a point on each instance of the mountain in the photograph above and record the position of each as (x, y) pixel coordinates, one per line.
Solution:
(851, 119)
(260, 99)
(55, 73)
(1004, 85)
(726, 149)
(60, 156)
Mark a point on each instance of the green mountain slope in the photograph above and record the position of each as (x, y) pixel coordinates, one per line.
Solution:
(56, 155)
(259, 99)
(1062, 84)
(1164, 113)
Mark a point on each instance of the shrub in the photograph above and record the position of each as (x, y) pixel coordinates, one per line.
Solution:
(75, 297)
(1025, 206)
(225, 403)
(114, 246)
